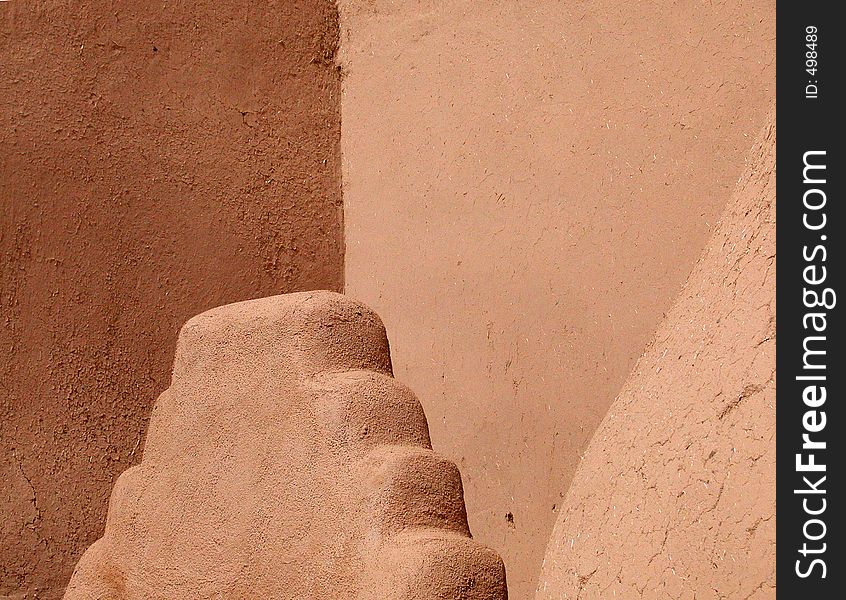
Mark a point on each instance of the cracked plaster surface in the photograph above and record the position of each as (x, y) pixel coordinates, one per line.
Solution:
(675, 495)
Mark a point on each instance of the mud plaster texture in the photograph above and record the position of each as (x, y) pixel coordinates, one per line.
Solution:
(675, 497)
(285, 461)
(527, 186)
(156, 159)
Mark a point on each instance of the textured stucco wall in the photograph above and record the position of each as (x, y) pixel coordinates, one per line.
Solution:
(156, 159)
(675, 497)
(285, 462)
(526, 187)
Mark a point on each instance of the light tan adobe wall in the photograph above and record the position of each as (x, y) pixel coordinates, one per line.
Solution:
(526, 187)
(675, 497)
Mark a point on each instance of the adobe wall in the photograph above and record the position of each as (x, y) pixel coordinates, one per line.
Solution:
(285, 461)
(156, 159)
(526, 186)
(675, 497)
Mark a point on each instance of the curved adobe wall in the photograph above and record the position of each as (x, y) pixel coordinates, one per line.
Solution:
(675, 496)
(156, 159)
(526, 186)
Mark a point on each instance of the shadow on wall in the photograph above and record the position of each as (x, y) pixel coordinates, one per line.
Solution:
(156, 159)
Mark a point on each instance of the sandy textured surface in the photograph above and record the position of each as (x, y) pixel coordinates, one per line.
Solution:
(284, 461)
(527, 185)
(156, 159)
(675, 497)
